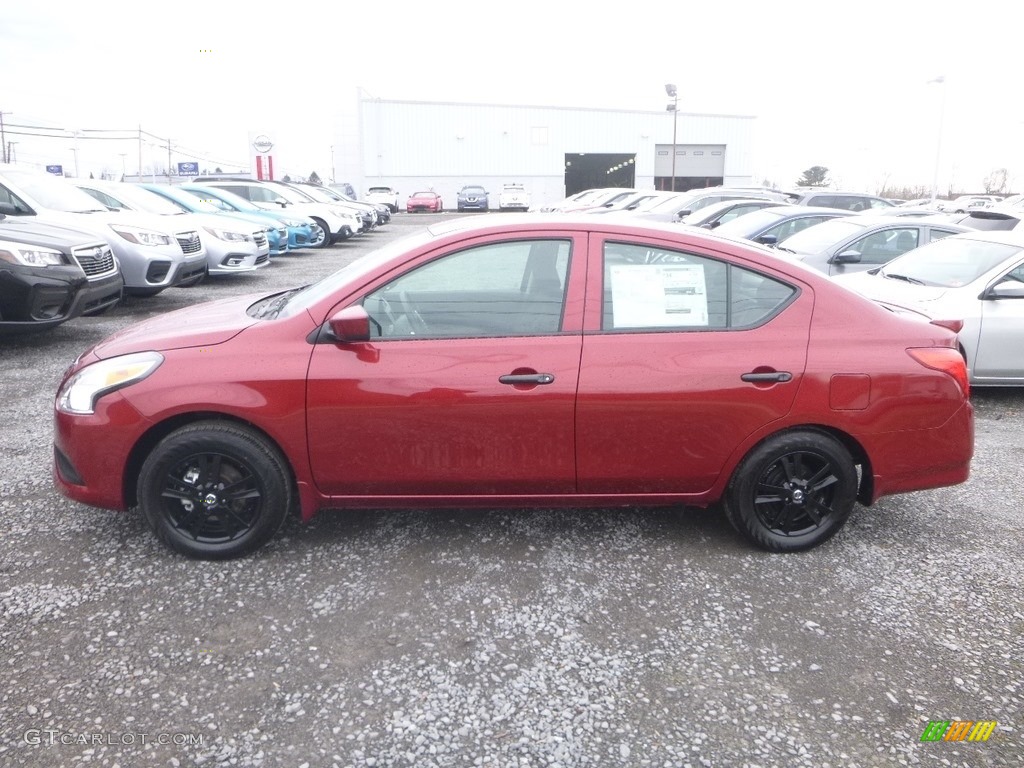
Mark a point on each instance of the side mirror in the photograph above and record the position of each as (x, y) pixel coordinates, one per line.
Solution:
(771, 240)
(1011, 289)
(683, 213)
(846, 257)
(7, 209)
(350, 325)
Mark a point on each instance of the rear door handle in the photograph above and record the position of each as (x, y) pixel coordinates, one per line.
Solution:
(527, 378)
(768, 376)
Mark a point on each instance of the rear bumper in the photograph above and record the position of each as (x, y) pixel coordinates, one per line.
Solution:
(941, 456)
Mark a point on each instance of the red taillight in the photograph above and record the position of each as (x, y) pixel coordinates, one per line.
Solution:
(946, 360)
(954, 325)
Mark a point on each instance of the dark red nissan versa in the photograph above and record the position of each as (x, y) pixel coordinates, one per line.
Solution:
(513, 361)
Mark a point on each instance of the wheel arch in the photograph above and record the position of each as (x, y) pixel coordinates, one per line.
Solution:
(149, 440)
(865, 485)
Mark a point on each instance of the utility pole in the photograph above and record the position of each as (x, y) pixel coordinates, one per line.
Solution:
(168, 162)
(10, 151)
(140, 152)
(124, 171)
(3, 139)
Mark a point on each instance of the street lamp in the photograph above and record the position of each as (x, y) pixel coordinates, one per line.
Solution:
(673, 107)
(940, 80)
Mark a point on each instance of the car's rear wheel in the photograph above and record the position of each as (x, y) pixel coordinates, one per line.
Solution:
(792, 492)
(214, 490)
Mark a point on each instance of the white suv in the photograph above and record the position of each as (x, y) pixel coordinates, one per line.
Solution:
(513, 197)
(384, 195)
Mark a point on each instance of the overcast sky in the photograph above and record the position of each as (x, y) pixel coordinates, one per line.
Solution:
(848, 90)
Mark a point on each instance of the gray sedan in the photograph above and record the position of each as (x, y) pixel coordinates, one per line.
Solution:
(976, 278)
(859, 243)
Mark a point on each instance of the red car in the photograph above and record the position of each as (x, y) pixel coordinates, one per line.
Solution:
(424, 201)
(529, 361)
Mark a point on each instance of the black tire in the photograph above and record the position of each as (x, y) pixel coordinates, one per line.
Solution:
(792, 492)
(181, 490)
(322, 238)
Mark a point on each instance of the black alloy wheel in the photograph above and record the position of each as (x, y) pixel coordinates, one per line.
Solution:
(793, 492)
(214, 490)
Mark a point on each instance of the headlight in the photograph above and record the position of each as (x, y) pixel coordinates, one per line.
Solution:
(80, 393)
(141, 236)
(30, 255)
(229, 235)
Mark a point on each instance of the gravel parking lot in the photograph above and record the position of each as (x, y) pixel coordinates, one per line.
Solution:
(613, 637)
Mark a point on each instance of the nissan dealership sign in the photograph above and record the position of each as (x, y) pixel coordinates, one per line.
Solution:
(260, 159)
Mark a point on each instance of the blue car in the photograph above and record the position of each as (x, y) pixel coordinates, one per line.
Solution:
(301, 229)
(277, 233)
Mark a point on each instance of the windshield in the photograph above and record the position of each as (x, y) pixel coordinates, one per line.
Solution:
(473, 190)
(140, 199)
(352, 273)
(751, 224)
(53, 193)
(236, 202)
(320, 195)
(950, 262)
(381, 190)
(291, 194)
(672, 204)
(191, 201)
(821, 237)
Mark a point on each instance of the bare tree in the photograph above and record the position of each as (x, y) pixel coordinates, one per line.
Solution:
(995, 182)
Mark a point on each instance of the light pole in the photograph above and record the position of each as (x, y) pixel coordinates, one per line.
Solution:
(673, 107)
(124, 169)
(940, 80)
(3, 138)
(332, 163)
(10, 151)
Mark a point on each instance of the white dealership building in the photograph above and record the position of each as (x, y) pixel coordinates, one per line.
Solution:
(552, 151)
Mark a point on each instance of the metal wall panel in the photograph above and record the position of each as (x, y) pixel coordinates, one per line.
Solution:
(445, 145)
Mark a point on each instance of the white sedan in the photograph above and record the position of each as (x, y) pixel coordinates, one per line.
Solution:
(977, 278)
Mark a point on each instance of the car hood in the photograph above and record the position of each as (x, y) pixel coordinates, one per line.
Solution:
(29, 230)
(216, 221)
(97, 222)
(202, 325)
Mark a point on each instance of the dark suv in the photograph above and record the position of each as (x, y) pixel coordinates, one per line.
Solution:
(472, 198)
(847, 201)
(50, 274)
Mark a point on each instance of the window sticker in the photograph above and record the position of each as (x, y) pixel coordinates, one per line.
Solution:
(658, 295)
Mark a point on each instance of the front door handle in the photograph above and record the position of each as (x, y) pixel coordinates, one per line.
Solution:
(767, 376)
(527, 378)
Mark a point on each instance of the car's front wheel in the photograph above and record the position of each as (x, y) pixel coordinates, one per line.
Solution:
(792, 492)
(321, 236)
(214, 490)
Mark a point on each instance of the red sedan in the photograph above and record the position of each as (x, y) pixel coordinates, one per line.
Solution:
(524, 362)
(424, 201)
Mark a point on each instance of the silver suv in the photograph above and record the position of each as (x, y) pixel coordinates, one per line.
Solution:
(152, 255)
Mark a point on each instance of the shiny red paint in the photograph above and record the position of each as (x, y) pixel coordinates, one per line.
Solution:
(638, 417)
(424, 201)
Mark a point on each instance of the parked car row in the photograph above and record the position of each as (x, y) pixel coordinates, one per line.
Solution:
(962, 270)
(74, 247)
